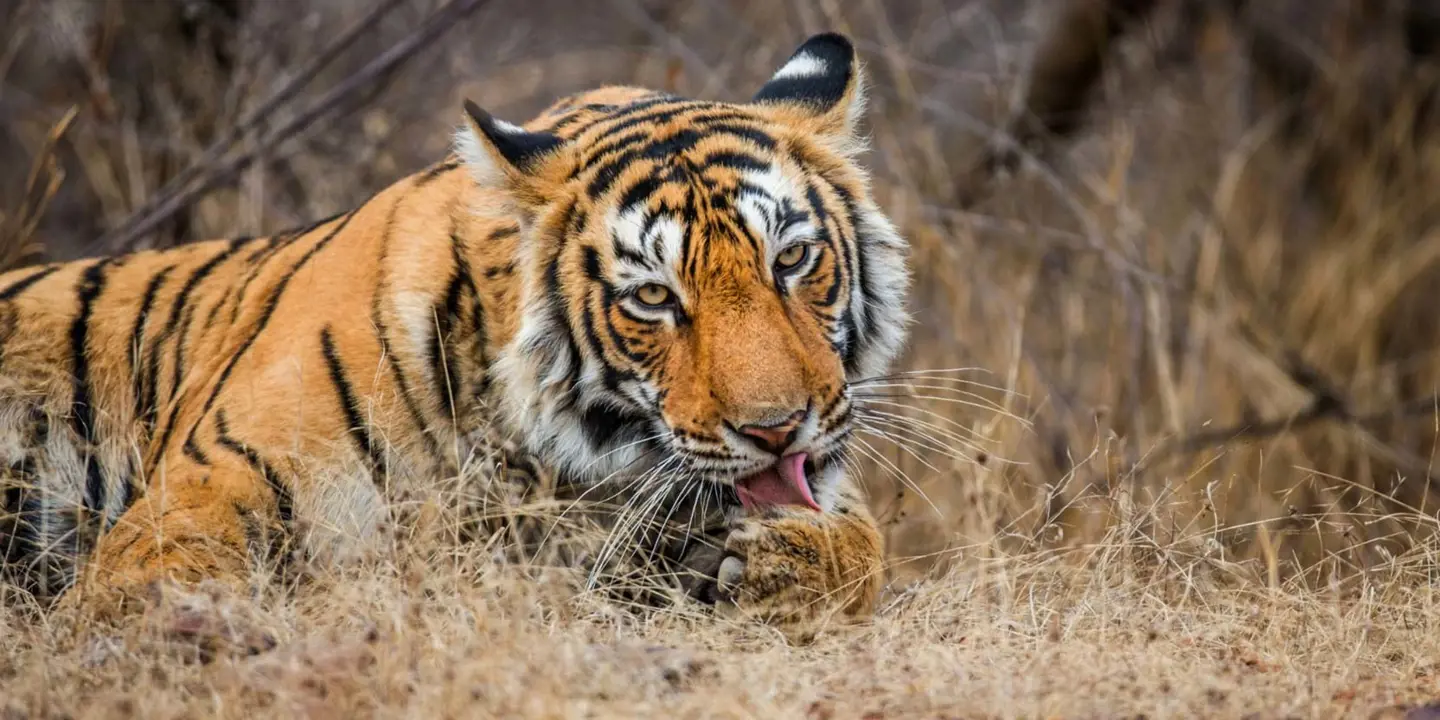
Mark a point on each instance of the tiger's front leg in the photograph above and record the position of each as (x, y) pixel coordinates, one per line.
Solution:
(195, 523)
(800, 570)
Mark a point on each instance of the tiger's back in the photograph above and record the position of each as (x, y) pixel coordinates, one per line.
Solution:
(109, 366)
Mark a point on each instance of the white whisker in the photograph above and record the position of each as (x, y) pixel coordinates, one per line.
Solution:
(870, 451)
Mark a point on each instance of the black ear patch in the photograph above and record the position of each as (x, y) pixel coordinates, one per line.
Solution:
(817, 75)
(519, 147)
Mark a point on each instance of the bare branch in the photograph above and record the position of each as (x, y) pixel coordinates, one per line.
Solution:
(17, 232)
(183, 190)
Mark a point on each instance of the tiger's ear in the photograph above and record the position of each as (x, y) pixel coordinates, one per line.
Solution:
(820, 87)
(500, 154)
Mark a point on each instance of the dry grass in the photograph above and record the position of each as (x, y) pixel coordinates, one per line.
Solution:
(1109, 630)
(1155, 516)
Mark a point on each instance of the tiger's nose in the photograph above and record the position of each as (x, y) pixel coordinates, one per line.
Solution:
(774, 437)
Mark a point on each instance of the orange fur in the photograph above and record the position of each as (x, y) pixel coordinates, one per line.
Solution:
(240, 401)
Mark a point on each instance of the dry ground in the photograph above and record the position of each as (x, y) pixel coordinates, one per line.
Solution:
(1136, 631)
(1142, 509)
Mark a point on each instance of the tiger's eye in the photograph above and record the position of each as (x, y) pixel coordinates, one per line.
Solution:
(792, 256)
(653, 294)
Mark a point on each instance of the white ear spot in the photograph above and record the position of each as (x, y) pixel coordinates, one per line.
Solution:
(508, 128)
(802, 65)
(478, 157)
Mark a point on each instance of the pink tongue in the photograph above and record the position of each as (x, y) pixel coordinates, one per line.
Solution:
(784, 484)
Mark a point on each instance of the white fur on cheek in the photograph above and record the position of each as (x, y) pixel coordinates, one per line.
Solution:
(478, 157)
(883, 317)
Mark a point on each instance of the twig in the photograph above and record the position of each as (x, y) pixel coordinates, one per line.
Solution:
(1321, 409)
(17, 233)
(661, 34)
(206, 174)
(283, 94)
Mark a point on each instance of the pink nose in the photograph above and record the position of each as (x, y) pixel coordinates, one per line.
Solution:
(774, 438)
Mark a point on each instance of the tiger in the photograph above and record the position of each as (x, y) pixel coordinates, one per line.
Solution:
(631, 280)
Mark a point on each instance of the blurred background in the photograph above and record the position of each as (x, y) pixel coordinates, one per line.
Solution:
(1195, 327)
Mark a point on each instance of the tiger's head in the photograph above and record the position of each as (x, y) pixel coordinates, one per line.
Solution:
(702, 281)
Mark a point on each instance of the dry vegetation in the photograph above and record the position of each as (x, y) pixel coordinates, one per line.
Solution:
(1197, 479)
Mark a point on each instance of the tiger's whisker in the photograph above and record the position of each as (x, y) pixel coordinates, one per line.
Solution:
(899, 474)
(928, 428)
(925, 441)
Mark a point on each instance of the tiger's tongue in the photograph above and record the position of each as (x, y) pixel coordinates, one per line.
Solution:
(783, 484)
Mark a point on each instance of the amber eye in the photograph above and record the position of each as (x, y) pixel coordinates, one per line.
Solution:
(792, 256)
(653, 295)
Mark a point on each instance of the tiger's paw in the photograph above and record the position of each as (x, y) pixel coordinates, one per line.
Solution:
(801, 571)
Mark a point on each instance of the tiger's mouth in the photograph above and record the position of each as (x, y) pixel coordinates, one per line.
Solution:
(787, 483)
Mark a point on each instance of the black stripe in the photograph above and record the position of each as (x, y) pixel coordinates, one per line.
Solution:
(215, 311)
(611, 376)
(269, 310)
(612, 139)
(673, 144)
(644, 143)
(257, 262)
(416, 415)
(285, 505)
(137, 339)
(442, 370)
(635, 114)
(624, 252)
(435, 171)
(177, 312)
(177, 373)
(285, 236)
(701, 115)
(192, 451)
(639, 192)
(382, 330)
(501, 233)
(604, 425)
(614, 145)
(554, 292)
(609, 171)
(689, 214)
(570, 115)
(607, 174)
(356, 427)
(127, 488)
(754, 134)
(830, 226)
(24, 283)
(859, 274)
(497, 271)
(480, 334)
(82, 411)
(733, 160)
